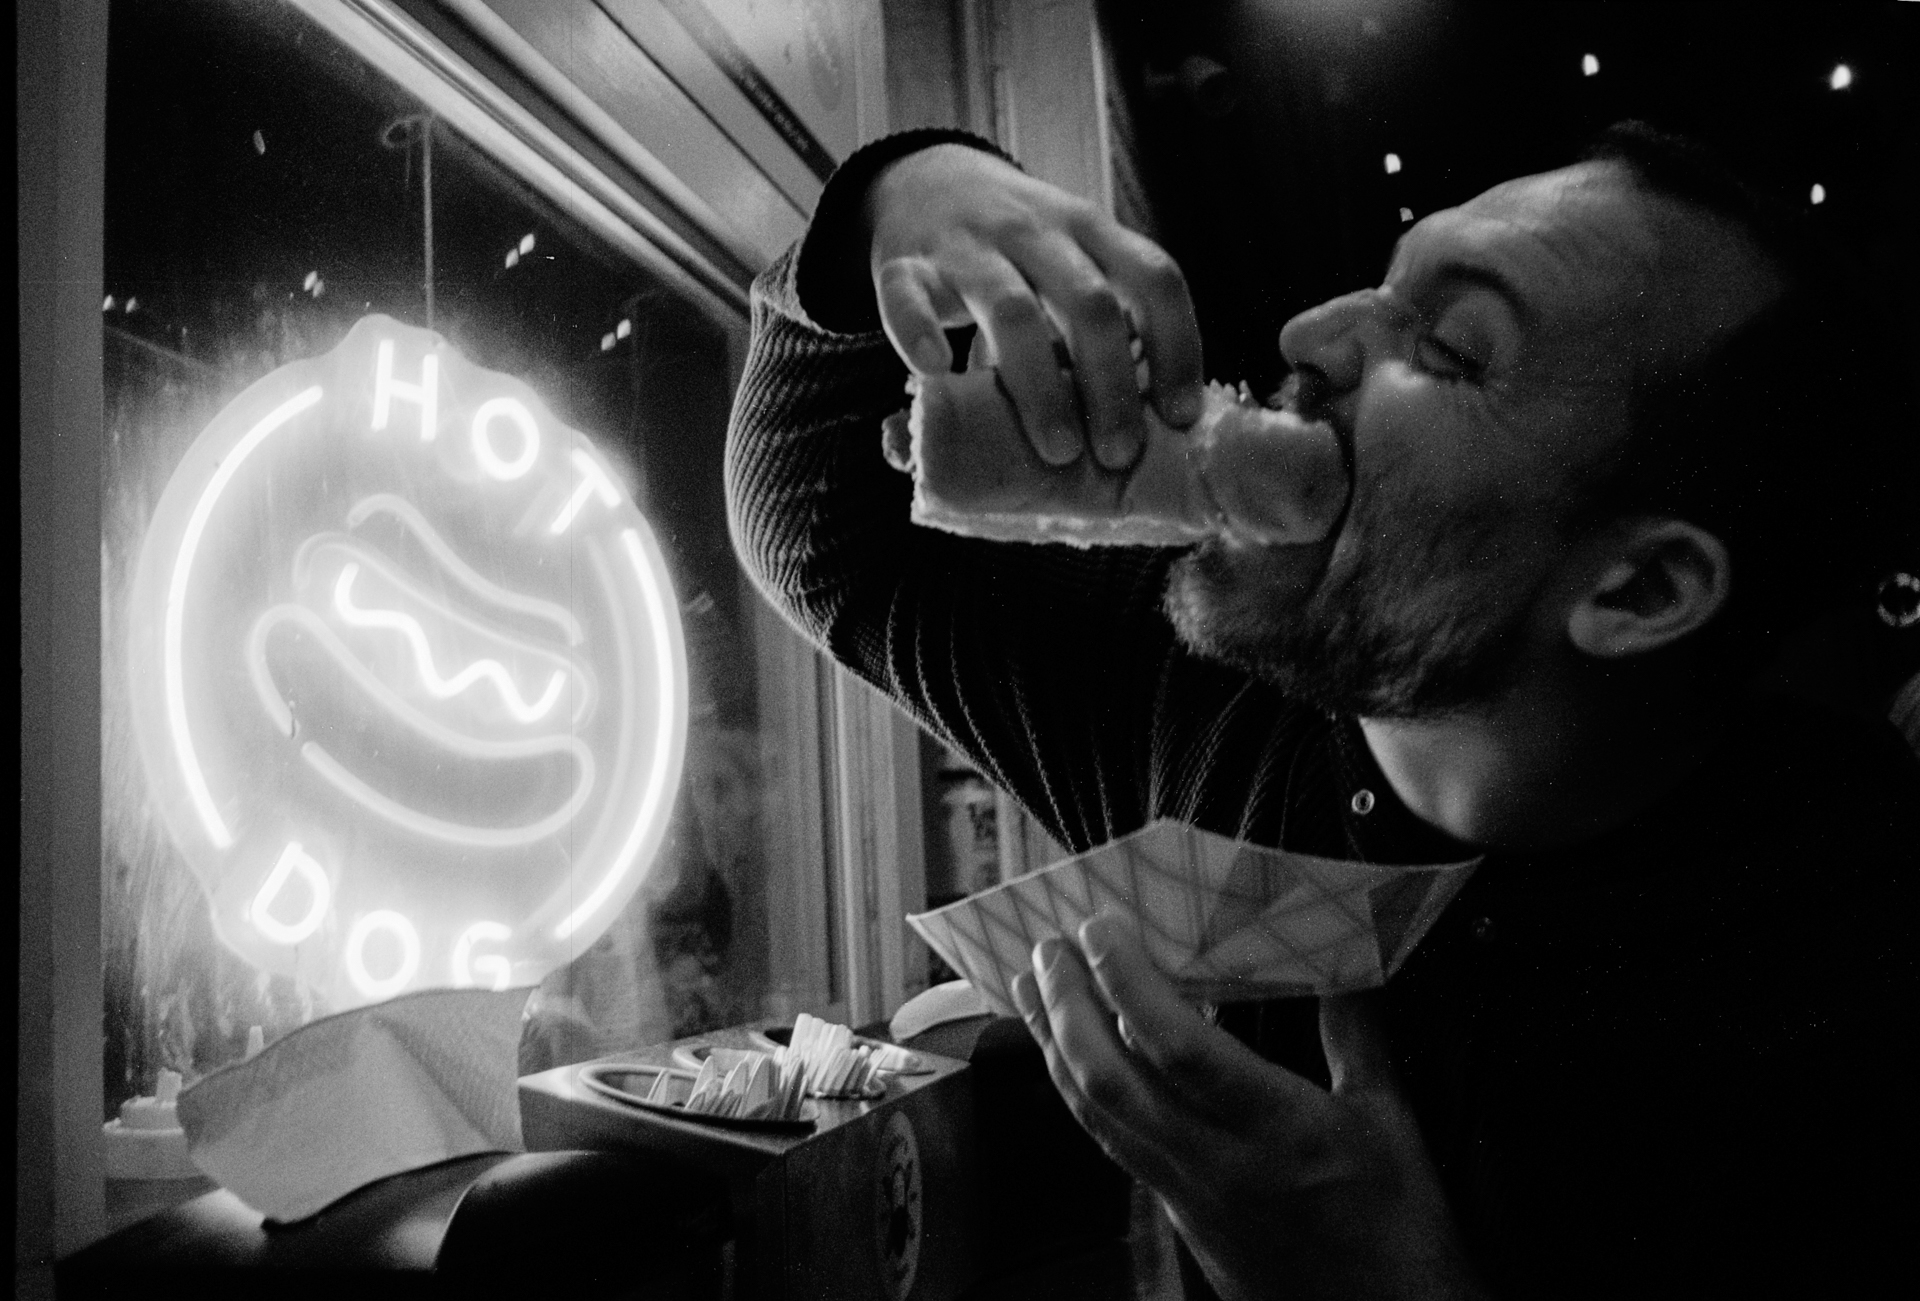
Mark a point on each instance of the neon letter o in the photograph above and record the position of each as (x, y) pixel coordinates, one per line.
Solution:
(491, 461)
(402, 930)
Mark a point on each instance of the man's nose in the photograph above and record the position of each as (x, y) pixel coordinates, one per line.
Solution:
(1331, 339)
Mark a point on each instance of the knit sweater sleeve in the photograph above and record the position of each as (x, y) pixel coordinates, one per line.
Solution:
(1050, 667)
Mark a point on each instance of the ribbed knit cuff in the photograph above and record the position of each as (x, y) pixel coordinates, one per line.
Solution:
(831, 280)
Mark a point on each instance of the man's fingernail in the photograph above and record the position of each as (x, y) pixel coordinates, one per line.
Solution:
(1046, 954)
(1095, 938)
(1121, 450)
(1026, 995)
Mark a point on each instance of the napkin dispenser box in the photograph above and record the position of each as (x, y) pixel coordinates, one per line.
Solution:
(876, 1203)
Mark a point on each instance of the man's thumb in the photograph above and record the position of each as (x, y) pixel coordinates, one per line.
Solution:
(1352, 1036)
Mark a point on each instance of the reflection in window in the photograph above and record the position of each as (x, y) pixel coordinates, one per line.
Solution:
(265, 192)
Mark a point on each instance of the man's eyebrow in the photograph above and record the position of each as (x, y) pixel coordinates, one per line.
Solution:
(1453, 273)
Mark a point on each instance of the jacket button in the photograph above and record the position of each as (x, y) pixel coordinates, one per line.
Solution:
(1362, 802)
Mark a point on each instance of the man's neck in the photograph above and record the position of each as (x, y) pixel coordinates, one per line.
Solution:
(1544, 765)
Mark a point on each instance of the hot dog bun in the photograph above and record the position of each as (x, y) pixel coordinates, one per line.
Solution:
(1241, 470)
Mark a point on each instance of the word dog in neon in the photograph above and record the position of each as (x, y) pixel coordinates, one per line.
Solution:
(409, 680)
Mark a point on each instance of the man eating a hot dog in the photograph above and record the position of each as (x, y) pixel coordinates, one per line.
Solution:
(1596, 446)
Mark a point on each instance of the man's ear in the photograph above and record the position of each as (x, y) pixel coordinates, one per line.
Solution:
(1667, 579)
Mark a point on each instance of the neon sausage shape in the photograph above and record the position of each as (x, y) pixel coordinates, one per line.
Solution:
(439, 733)
(386, 503)
(322, 547)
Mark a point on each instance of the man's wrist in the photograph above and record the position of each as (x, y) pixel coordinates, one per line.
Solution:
(832, 280)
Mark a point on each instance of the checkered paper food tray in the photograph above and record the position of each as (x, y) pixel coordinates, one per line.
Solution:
(1227, 920)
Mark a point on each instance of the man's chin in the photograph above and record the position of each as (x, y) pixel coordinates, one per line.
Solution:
(1233, 602)
(1354, 642)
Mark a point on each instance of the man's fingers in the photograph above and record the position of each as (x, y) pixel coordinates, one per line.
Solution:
(1210, 1070)
(1022, 339)
(1116, 1128)
(1083, 1027)
(904, 288)
(919, 297)
(1082, 281)
(1088, 312)
(1151, 284)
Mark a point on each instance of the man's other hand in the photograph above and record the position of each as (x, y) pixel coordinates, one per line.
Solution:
(958, 235)
(1281, 1188)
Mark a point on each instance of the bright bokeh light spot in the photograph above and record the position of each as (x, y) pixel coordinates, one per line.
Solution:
(108, 305)
(623, 329)
(513, 257)
(606, 342)
(1589, 64)
(308, 283)
(1841, 77)
(1406, 214)
(133, 305)
(526, 244)
(1393, 163)
(1818, 195)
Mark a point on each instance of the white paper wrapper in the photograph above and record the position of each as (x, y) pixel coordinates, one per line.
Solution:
(359, 1096)
(1228, 921)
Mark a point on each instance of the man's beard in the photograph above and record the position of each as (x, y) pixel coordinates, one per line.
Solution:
(1421, 618)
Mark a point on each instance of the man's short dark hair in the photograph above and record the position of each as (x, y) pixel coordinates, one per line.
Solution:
(1792, 441)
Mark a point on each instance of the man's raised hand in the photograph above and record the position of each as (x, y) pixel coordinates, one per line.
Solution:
(1281, 1188)
(958, 235)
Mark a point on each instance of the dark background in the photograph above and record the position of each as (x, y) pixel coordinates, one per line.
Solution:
(1267, 182)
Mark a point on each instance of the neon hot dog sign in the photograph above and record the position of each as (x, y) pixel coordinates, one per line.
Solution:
(409, 679)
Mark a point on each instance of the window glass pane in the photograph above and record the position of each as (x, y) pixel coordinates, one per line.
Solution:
(266, 192)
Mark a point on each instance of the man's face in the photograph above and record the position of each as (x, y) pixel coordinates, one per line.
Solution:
(1494, 364)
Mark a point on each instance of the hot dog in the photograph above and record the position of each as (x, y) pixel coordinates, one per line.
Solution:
(1241, 471)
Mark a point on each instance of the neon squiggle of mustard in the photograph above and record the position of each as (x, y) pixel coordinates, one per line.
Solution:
(666, 693)
(438, 687)
(386, 503)
(439, 733)
(438, 608)
(170, 653)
